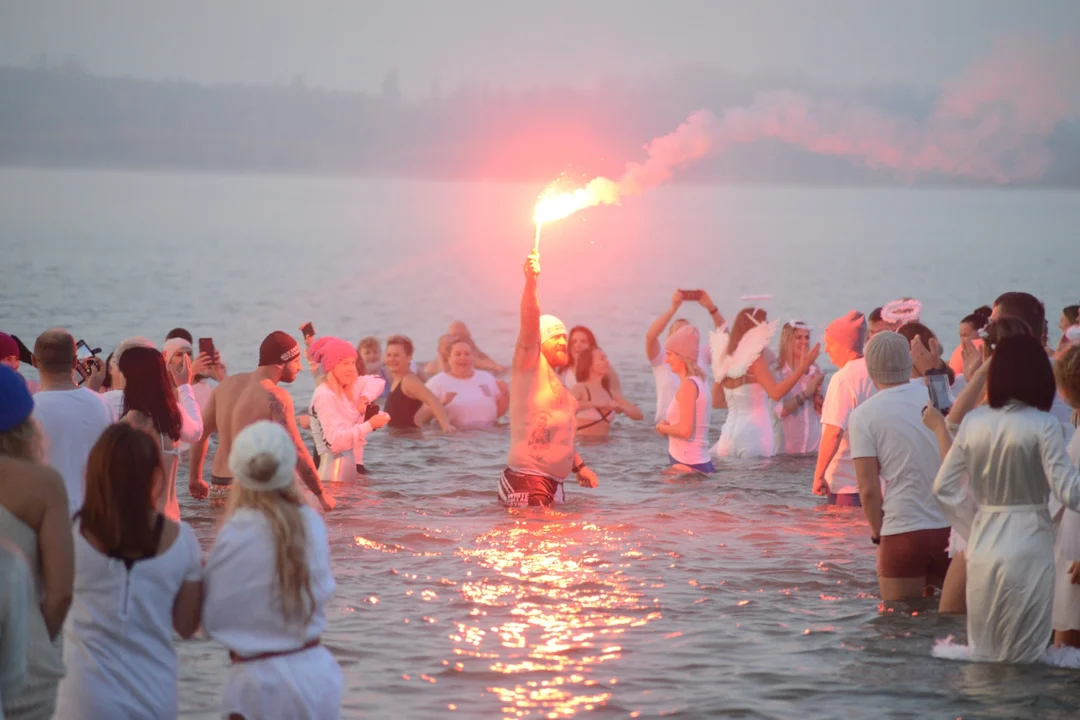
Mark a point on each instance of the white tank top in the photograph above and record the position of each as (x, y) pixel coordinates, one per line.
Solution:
(694, 451)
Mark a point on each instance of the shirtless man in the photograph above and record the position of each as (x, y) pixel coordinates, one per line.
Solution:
(542, 410)
(243, 399)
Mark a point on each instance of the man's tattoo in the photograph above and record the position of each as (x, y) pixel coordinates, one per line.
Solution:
(277, 412)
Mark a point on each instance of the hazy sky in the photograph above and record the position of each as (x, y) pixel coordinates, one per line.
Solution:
(351, 44)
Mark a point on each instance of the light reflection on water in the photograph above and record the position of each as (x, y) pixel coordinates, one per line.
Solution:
(568, 608)
(734, 595)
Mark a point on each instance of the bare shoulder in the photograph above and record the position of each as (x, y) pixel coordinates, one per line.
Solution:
(33, 487)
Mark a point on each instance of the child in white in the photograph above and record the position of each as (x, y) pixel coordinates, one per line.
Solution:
(268, 581)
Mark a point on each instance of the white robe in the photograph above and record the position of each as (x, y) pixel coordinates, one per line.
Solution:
(747, 431)
(1013, 457)
(1066, 552)
(800, 432)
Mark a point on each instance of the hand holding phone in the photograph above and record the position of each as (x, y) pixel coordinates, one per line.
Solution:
(937, 382)
(372, 411)
(690, 295)
(308, 331)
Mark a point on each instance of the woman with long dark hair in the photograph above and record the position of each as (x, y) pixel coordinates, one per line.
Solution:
(138, 577)
(578, 341)
(1013, 453)
(165, 407)
(268, 581)
(599, 400)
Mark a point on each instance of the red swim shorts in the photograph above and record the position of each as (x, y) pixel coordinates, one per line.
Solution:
(919, 553)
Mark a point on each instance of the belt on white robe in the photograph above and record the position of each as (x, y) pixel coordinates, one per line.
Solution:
(1014, 508)
(237, 658)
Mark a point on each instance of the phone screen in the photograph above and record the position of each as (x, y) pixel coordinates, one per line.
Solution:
(372, 411)
(82, 351)
(939, 391)
(691, 295)
(206, 345)
(308, 330)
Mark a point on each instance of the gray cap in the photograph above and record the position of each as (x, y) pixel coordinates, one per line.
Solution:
(888, 359)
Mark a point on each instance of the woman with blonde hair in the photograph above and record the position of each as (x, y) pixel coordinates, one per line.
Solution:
(268, 581)
(339, 421)
(797, 423)
(741, 372)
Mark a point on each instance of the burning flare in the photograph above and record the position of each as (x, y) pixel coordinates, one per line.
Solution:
(555, 204)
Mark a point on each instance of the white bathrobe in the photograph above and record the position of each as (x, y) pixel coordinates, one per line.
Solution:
(1013, 457)
(1066, 552)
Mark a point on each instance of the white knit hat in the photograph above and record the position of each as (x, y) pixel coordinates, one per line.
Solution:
(550, 326)
(264, 438)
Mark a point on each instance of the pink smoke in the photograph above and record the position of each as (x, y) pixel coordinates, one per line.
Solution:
(989, 124)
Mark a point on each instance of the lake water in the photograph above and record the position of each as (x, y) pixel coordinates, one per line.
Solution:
(738, 595)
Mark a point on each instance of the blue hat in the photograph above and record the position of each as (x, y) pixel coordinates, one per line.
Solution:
(15, 401)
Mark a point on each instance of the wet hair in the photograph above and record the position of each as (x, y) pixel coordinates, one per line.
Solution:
(404, 342)
(149, 390)
(747, 319)
(1021, 372)
(584, 367)
(1071, 313)
(582, 329)
(1025, 306)
(54, 351)
(983, 310)
(912, 330)
(976, 320)
(281, 508)
(875, 315)
(179, 333)
(120, 492)
(1067, 373)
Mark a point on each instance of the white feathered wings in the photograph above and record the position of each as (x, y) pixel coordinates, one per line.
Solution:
(750, 347)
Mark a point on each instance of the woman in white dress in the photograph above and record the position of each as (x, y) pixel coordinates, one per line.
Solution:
(338, 410)
(797, 416)
(268, 581)
(1066, 616)
(137, 578)
(741, 372)
(1013, 453)
(165, 407)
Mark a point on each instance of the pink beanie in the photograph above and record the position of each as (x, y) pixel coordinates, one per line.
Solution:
(684, 342)
(848, 332)
(329, 351)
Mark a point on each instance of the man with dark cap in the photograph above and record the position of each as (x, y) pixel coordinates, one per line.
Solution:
(243, 399)
(834, 475)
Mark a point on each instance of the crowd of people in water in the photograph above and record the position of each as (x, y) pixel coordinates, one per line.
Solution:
(964, 465)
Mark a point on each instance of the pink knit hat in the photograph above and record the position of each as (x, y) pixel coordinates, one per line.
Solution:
(848, 332)
(684, 342)
(329, 351)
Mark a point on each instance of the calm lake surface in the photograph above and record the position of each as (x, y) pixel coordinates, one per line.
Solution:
(738, 595)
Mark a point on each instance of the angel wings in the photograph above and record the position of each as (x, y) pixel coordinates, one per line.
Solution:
(736, 364)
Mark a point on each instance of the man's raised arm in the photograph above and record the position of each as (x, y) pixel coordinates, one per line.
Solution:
(527, 351)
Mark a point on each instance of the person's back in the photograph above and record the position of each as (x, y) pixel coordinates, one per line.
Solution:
(888, 426)
(240, 400)
(1003, 445)
(72, 420)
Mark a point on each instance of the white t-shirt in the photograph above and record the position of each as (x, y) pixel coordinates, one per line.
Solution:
(849, 387)
(667, 382)
(474, 405)
(72, 421)
(889, 426)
